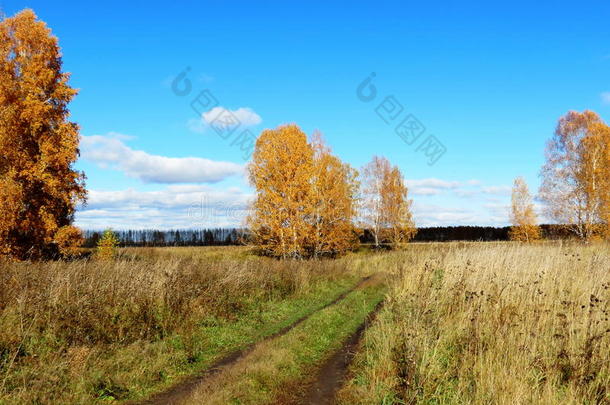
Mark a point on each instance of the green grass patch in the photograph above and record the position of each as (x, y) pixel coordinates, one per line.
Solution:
(115, 372)
(276, 366)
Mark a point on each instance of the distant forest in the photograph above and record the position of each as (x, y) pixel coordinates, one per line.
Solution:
(178, 237)
(235, 236)
(474, 233)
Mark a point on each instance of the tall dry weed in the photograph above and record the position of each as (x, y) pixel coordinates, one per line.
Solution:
(62, 305)
(491, 323)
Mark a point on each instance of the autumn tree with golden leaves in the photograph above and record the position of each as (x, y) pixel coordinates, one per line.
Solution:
(335, 189)
(386, 209)
(281, 172)
(595, 173)
(373, 175)
(575, 182)
(523, 217)
(39, 187)
(305, 196)
(398, 225)
(106, 248)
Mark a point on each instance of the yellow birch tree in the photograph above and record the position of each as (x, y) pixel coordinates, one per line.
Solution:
(373, 175)
(386, 209)
(523, 216)
(39, 188)
(106, 248)
(399, 227)
(335, 189)
(281, 172)
(595, 175)
(305, 201)
(575, 175)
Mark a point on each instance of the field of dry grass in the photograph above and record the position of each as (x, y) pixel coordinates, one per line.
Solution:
(478, 323)
(87, 331)
(489, 323)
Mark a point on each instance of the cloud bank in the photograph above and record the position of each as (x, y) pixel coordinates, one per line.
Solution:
(177, 206)
(110, 151)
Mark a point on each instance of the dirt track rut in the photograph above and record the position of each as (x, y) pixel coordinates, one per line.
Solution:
(332, 374)
(184, 388)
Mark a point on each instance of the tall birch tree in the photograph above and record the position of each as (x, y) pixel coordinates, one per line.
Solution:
(39, 187)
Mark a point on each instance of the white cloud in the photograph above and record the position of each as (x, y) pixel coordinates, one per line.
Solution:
(497, 190)
(464, 189)
(196, 125)
(430, 186)
(177, 206)
(498, 209)
(111, 152)
(467, 193)
(605, 96)
(434, 186)
(246, 117)
(197, 205)
(427, 214)
(433, 183)
(424, 191)
(433, 215)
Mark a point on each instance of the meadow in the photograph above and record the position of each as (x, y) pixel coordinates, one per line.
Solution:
(87, 331)
(490, 323)
(459, 323)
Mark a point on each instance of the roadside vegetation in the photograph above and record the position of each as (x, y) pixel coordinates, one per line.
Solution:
(96, 330)
(489, 323)
(278, 371)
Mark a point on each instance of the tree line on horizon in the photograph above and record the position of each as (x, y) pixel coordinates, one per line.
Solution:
(309, 203)
(239, 236)
(173, 237)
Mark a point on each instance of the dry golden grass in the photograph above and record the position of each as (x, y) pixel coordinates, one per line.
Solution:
(500, 323)
(55, 316)
(478, 323)
(134, 298)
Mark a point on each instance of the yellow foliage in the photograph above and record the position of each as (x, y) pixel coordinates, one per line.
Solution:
(39, 188)
(396, 207)
(334, 189)
(305, 202)
(107, 245)
(523, 217)
(69, 239)
(576, 176)
(281, 171)
(386, 209)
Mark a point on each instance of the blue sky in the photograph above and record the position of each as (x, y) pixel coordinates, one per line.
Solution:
(489, 81)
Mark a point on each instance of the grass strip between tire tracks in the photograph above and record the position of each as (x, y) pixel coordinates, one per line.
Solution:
(187, 385)
(271, 372)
